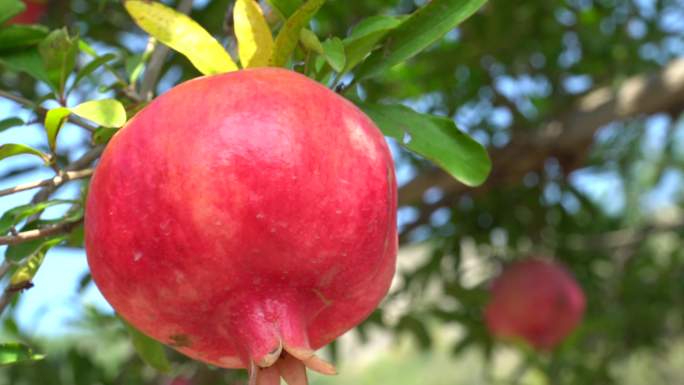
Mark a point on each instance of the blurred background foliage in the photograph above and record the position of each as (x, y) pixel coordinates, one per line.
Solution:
(580, 104)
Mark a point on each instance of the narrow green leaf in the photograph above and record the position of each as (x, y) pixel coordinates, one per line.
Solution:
(435, 138)
(54, 120)
(333, 50)
(286, 41)
(10, 8)
(285, 7)
(22, 277)
(103, 135)
(21, 35)
(419, 31)
(150, 350)
(310, 41)
(28, 61)
(365, 37)
(12, 149)
(92, 67)
(182, 34)
(13, 216)
(105, 112)
(9, 123)
(14, 352)
(87, 48)
(58, 51)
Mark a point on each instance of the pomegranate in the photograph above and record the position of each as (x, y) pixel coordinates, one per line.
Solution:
(535, 300)
(245, 219)
(35, 10)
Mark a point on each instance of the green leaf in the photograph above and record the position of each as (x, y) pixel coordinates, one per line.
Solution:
(14, 352)
(103, 135)
(54, 120)
(310, 41)
(13, 216)
(58, 51)
(151, 351)
(105, 112)
(182, 34)
(10, 8)
(12, 149)
(16, 253)
(28, 61)
(365, 37)
(20, 35)
(286, 41)
(255, 41)
(333, 50)
(285, 7)
(22, 277)
(419, 31)
(9, 123)
(92, 66)
(435, 138)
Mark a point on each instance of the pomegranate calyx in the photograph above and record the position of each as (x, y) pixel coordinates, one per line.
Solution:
(291, 365)
(311, 360)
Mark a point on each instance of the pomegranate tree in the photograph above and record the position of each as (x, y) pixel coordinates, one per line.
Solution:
(246, 220)
(535, 300)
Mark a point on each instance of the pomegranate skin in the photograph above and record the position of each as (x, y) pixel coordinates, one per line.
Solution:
(535, 300)
(34, 12)
(245, 215)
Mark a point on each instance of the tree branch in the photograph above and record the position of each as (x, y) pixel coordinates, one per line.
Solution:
(81, 163)
(29, 235)
(568, 137)
(154, 66)
(43, 111)
(54, 182)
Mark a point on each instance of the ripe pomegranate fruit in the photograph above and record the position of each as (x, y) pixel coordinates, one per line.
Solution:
(535, 300)
(245, 219)
(35, 10)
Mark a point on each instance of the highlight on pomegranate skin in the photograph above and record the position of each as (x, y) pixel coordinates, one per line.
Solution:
(535, 300)
(246, 220)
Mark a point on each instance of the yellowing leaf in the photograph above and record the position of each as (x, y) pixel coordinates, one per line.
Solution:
(105, 112)
(182, 34)
(255, 42)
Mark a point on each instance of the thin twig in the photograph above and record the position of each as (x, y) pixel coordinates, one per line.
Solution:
(81, 163)
(43, 111)
(6, 299)
(154, 66)
(4, 268)
(29, 235)
(54, 182)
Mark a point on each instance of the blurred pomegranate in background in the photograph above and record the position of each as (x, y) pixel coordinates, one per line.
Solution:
(535, 300)
(35, 10)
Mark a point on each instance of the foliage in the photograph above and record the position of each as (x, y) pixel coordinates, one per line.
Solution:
(501, 71)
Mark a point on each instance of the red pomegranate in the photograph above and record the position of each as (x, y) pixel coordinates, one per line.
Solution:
(535, 300)
(35, 10)
(246, 220)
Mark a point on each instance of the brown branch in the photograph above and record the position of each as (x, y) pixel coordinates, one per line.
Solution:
(29, 235)
(568, 137)
(6, 299)
(54, 182)
(81, 163)
(42, 111)
(4, 268)
(154, 66)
